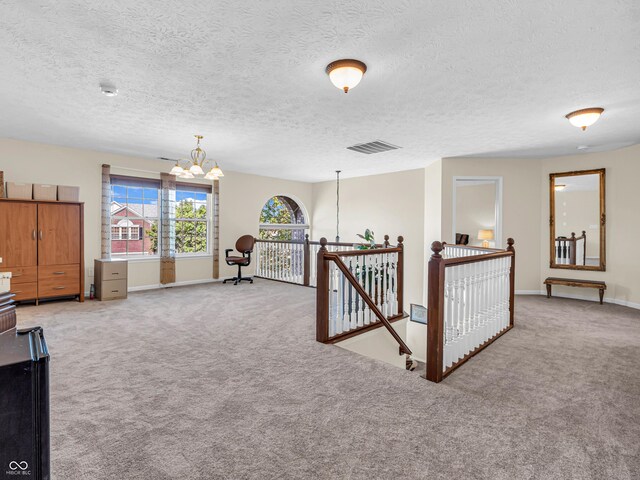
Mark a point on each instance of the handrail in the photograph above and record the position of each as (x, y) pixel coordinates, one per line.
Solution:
(354, 282)
(475, 304)
(264, 240)
(476, 258)
(387, 294)
(560, 246)
(293, 260)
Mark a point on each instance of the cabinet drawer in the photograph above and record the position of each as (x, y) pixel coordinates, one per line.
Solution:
(22, 274)
(114, 270)
(111, 289)
(24, 291)
(58, 280)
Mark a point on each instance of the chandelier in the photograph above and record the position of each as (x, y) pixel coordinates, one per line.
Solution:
(194, 167)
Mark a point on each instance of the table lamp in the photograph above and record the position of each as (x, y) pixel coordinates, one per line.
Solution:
(485, 236)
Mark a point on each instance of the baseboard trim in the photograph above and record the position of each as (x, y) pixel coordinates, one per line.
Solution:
(185, 283)
(615, 301)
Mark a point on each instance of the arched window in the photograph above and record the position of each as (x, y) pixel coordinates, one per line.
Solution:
(282, 218)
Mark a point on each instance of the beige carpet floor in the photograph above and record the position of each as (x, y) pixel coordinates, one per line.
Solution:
(227, 382)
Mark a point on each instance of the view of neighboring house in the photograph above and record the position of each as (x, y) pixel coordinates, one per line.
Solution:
(130, 234)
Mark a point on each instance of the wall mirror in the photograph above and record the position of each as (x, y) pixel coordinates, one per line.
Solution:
(577, 220)
(477, 211)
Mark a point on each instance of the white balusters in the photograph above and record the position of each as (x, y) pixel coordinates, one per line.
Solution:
(476, 305)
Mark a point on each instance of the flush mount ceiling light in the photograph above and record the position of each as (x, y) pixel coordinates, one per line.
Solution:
(194, 167)
(559, 187)
(346, 74)
(108, 90)
(584, 118)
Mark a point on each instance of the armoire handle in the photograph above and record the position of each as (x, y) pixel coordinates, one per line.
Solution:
(40, 234)
(33, 234)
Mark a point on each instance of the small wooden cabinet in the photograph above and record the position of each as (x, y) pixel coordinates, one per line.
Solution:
(41, 244)
(111, 279)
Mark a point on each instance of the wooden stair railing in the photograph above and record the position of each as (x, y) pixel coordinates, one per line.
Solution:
(293, 261)
(470, 303)
(384, 282)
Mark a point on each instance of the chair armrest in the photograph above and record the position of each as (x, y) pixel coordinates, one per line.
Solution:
(226, 252)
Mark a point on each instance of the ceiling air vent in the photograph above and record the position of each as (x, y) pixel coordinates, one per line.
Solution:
(373, 147)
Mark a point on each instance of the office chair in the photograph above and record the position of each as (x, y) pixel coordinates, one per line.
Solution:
(244, 245)
(462, 239)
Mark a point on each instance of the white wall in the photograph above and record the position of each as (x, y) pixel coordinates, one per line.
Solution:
(623, 224)
(241, 199)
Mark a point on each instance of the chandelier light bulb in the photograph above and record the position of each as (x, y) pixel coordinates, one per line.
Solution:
(584, 118)
(346, 74)
(196, 169)
(176, 170)
(217, 171)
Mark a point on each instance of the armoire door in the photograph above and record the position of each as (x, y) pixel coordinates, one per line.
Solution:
(58, 234)
(18, 225)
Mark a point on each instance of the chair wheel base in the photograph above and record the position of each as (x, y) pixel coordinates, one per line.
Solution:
(237, 280)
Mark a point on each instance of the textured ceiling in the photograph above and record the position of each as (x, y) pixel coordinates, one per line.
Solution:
(464, 77)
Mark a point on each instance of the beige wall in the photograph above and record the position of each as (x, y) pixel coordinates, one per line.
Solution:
(391, 204)
(623, 223)
(578, 211)
(416, 204)
(241, 198)
(475, 210)
(520, 208)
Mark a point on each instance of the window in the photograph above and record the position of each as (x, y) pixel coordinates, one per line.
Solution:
(134, 216)
(192, 219)
(282, 218)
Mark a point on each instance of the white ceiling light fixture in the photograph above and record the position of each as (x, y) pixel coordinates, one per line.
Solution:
(584, 118)
(108, 90)
(559, 187)
(346, 74)
(195, 166)
(215, 173)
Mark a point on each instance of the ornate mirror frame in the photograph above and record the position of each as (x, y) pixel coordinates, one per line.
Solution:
(603, 218)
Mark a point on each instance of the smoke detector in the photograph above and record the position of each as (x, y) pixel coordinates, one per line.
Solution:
(108, 90)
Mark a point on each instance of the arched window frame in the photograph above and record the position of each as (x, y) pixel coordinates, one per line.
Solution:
(304, 227)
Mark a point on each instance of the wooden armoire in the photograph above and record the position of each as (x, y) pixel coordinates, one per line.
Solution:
(42, 245)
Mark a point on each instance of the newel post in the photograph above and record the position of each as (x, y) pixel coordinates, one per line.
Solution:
(386, 243)
(306, 261)
(512, 280)
(322, 294)
(400, 273)
(435, 312)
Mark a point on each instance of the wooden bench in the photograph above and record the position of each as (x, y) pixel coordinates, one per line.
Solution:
(572, 282)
